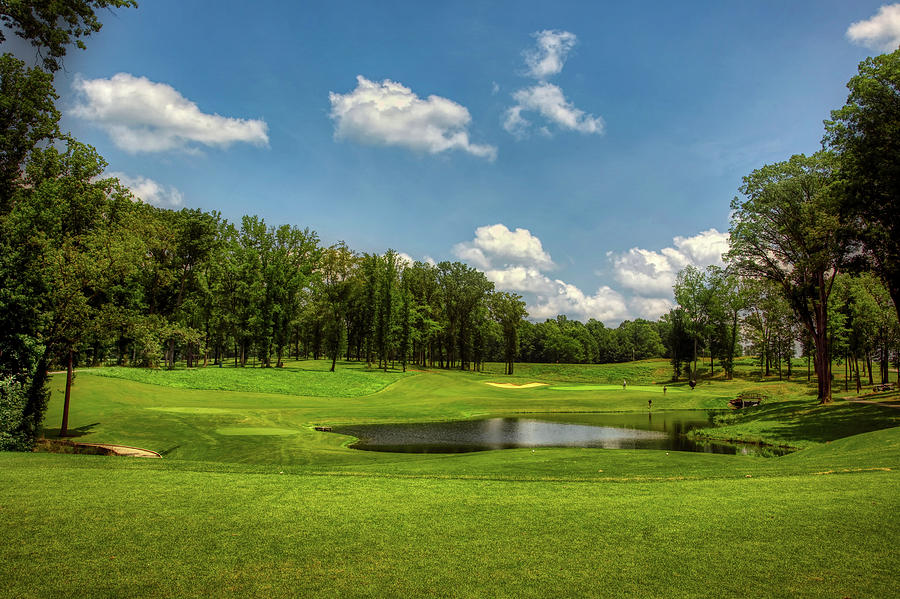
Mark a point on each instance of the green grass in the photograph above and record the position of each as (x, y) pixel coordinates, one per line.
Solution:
(800, 423)
(297, 378)
(641, 372)
(249, 500)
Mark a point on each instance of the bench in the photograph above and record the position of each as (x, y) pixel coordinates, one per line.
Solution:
(884, 387)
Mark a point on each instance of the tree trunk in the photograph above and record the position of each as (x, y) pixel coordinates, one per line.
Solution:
(64, 428)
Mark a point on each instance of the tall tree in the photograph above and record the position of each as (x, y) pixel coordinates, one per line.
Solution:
(866, 134)
(787, 230)
(336, 271)
(508, 310)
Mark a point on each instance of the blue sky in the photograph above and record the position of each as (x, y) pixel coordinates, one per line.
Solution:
(578, 153)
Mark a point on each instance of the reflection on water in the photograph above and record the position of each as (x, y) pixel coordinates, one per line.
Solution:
(609, 431)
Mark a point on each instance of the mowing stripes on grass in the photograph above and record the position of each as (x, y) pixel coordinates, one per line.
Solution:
(256, 430)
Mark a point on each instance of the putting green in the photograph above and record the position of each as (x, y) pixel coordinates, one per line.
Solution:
(256, 430)
(648, 388)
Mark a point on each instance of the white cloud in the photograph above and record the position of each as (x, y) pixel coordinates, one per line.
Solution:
(605, 305)
(650, 308)
(390, 114)
(520, 278)
(516, 261)
(149, 191)
(143, 116)
(652, 274)
(549, 101)
(550, 55)
(881, 32)
(496, 243)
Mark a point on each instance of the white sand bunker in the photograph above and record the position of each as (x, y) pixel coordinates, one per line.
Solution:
(514, 386)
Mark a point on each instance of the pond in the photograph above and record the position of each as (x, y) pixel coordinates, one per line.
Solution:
(664, 430)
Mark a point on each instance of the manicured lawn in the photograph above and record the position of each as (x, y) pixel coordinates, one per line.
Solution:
(298, 378)
(249, 500)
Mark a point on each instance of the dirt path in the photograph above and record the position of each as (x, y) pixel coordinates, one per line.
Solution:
(124, 450)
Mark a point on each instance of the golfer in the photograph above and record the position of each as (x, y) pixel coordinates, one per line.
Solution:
(624, 384)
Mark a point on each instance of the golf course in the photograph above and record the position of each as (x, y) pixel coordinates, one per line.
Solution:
(249, 498)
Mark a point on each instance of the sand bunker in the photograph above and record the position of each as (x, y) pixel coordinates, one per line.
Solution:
(123, 450)
(514, 386)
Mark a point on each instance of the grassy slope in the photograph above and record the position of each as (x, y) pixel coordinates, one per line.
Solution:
(296, 514)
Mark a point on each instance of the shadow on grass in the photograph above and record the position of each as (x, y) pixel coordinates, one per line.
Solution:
(166, 452)
(808, 421)
(53, 433)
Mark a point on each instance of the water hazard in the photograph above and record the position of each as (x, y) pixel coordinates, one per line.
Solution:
(665, 430)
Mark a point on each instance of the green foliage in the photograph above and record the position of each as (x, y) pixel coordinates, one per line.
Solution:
(787, 230)
(865, 133)
(52, 25)
(13, 401)
(28, 116)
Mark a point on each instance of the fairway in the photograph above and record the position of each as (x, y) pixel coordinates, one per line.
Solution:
(250, 500)
(644, 388)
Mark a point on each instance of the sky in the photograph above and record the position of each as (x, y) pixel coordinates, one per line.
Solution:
(580, 154)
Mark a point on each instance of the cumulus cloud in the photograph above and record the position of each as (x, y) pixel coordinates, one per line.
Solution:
(405, 259)
(144, 116)
(149, 191)
(496, 243)
(516, 261)
(549, 101)
(519, 279)
(390, 114)
(881, 32)
(651, 274)
(550, 54)
(606, 305)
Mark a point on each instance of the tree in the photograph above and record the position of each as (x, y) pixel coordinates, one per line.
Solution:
(72, 235)
(28, 116)
(787, 230)
(866, 134)
(694, 294)
(508, 310)
(729, 299)
(336, 270)
(52, 25)
(463, 289)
